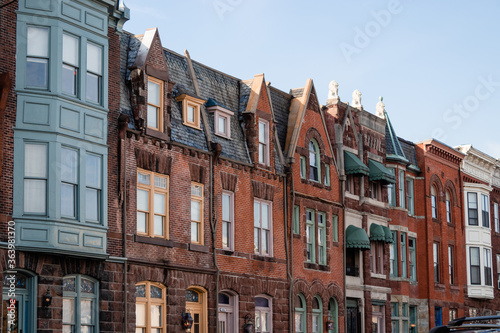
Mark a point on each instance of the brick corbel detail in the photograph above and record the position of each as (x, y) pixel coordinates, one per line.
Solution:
(263, 191)
(153, 162)
(228, 181)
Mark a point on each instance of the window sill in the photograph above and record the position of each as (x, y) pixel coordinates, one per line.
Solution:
(153, 241)
(436, 220)
(224, 136)
(317, 267)
(296, 236)
(439, 286)
(351, 196)
(378, 276)
(451, 225)
(263, 258)
(156, 134)
(454, 288)
(198, 248)
(315, 183)
(336, 244)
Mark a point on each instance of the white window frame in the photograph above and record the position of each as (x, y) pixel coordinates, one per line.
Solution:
(259, 249)
(157, 107)
(229, 221)
(436, 263)
(451, 264)
(469, 254)
(487, 268)
(231, 309)
(199, 224)
(401, 188)
(410, 194)
(434, 202)
(264, 154)
(498, 271)
(468, 197)
(496, 218)
(321, 239)
(261, 310)
(485, 210)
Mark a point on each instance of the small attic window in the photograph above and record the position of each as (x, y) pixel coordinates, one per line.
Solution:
(191, 107)
(222, 119)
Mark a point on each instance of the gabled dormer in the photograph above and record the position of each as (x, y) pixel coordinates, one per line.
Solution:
(260, 125)
(151, 87)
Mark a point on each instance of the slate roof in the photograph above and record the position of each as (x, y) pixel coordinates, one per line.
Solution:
(393, 148)
(410, 153)
(245, 90)
(281, 106)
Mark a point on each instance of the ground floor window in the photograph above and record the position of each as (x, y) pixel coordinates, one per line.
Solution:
(333, 315)
(317, 315)
(378, 318)
(150, 307)
(22, 305)
(263, 315)
(80, 304)
(353, 316)
(300, 314)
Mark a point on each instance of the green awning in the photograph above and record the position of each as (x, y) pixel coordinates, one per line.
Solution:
(388, 234)
(353, 165)
(379, 172)
(356, 238)
(377, 233)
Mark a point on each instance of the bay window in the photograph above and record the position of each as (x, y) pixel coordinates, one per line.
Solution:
(35, 178)
(495, 213)
(69, 182)
(474, 265)
(472, 208)
(401, 188)
(487, 267)
(409, 196)
(94, 73)
(70, 64)
(485, 210)
(94, 187)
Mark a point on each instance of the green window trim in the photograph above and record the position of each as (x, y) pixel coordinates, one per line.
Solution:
(296, 219)
(335, 228)
(393, 250)
(327, 175)
(322, 238)
(310, 236)
(302, 167)
(300, 314)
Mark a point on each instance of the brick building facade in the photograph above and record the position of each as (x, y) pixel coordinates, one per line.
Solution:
(133, 179)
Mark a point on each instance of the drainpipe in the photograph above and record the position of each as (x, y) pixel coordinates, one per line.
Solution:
(289, 255)
(122, 127)
(290, 273)
(216, 149)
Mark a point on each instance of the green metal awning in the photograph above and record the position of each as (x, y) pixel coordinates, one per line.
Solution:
(356, 238)
(377, 233)
(388, 234)
(379, 172)
(353, 165)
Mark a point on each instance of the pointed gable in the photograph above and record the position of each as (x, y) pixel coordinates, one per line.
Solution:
(150, 56)
(393, 148)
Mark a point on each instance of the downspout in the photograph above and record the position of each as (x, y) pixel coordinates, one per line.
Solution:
(216, 149)
(290, 257)
(122, 127)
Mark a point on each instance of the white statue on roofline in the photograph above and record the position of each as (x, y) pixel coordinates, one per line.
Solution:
(333, 93)
(380, 108)
(356, 99)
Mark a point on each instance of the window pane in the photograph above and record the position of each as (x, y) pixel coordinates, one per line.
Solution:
(159, 203)
(265, 242)
(141, 222)
(152, 116)
(94, 58)
(160, 182)
(69, 78)
(222, 125)
(142, 200)
(92, 204)
(93, 171)
(86, 312)
(474, 256)
(224, 299)
(190, 114)
(226, 207)
(225, 234)
(256, 241)
(35, 160)
(262, 132)
(87, 286)
(68, 311)
(37, 72)
(38, 42)
(261, 302)
(156, 292)
(156, 315)
(140, 314)
(140, 290)
(69, 284)
(34, 196)
(256, 214)
(143, 178)
(265, 216)
(262, 153)
(69, 168)
(93, 88)
(153, 93)
(194, 232)
(195, 210)
(68, 200)
(70, 50)
(159, 225)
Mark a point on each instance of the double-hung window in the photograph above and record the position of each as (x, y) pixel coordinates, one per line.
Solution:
(263, 142)
(498, 270)
(69, 182)
(35, 178)
(300, 314)
(401, 188)
(409, 196)
(314, 161)
(262, 227)
(93, 188)
(310, 236)
(495, 212)
(448, 207)
(434, 202)
(435, 256)
(296, 219)
(155, 101)
(71, 61)
(263, 315)
(485, 210)
(37, 60)
(412, 258)
(475, 265)
(196, 213)
(391, 191)
(403, 255)
(152, 204)
(80, 304)
(472, 208)
(393, 254)
(321, 238)
(451, 269)
(228, 220)
(94, 73)
(487, 267)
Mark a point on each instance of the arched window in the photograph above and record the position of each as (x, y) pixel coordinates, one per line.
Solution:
(228, 311)
(263, 314)
(149, 307)
(300, 314)
(333, 315)
(80, 304)
(317, 315)
(314, 161)
(434, 202)
(21, 287)
(196, 304)
(448, 207)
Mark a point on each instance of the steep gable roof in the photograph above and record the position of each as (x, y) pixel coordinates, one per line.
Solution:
(393, 148)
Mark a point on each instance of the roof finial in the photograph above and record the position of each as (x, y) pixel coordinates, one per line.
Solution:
(333, 93)
(380, 109)
(356, 99)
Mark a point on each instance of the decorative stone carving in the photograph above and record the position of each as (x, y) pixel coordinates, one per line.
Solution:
(356, 99)
(380, 108)
(333, 93)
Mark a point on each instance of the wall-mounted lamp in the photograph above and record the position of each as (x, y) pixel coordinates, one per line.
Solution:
(47, 299)
(248, 327)
(187, 320)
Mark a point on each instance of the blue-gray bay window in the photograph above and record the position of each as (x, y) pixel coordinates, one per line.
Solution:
(37, 56)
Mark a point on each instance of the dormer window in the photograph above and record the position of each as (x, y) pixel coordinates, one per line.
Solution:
(222, 119)
(155, 104)
(263, 142)
(191, 107)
